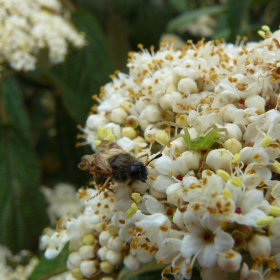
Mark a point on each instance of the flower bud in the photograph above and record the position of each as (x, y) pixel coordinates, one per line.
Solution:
(118, 115)
(86, 252)
(102, 253)
(170, 89)
(114, 257)
(106, 267)
(104, 237)
(227, 112)
(89, 239)
(94, 121)
(74, 259)
(187, 86)
(129, 132)
(166, 102)
(219, 159)
(115, 243)
(176, 78)
(113, 230)
(259, 246)
(161, 136)
(152, 113)
(88, 268)
(131, 263)
(143, 123)
(230, 261)
(255, 101)
(76, 273)
(233, 145)
(233, 131)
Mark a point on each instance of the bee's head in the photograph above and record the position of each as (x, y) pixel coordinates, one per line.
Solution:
(139, 171)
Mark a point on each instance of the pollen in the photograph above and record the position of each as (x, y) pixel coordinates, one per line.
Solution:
(129, 231)
(138, 229)
(164, 228)
(152, 177)
(196, 206)
(160, 260)
(256, 156)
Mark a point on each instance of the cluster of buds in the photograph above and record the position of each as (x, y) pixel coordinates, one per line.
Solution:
(212, 200)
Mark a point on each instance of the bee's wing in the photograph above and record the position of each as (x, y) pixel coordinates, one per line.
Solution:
(98, 162)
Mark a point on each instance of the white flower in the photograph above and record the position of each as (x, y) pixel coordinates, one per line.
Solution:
(204, 240)
(55, 243)
(28, 27)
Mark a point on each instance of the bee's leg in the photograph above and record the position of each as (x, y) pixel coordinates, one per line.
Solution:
(104, 186)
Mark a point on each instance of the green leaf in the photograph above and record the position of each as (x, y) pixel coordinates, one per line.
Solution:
(148, 271)
(48, 268)
(236, 12)
(13, 105)
(84, 70)
(148, 22)
(22, 205)
(184, 19)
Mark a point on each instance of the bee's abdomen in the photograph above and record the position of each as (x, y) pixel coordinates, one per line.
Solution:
(121, 167)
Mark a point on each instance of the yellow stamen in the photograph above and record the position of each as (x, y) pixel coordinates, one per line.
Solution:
(236, 158)
(133, 209)
(274, 211)
(265, 221)
(136, 197)
(276, 165)
(266, 141)
(96, 142)
(227, 193)
(236, 181)
(223, 174)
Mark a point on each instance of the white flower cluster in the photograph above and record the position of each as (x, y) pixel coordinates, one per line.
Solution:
(213, 199)
(11, 267)
(27, 26)
(63, 203)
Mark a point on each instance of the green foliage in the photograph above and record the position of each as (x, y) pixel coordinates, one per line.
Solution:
(148, 271)
(85, 70)
(22, 205)
(184, 19)
(236, 12)
(14, 108)
(48, 268)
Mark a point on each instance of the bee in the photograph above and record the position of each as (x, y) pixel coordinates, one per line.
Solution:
(112, 164)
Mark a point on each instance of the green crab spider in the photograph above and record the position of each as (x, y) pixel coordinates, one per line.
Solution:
(202, 142)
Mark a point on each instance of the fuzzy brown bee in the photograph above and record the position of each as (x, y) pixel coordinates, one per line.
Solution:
(111, 163)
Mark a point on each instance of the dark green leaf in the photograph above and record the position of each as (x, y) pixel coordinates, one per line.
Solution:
(149, 21)
(236, 12)
(14, 107)
(85, 70)
(22, 205)
(186, 18)
(180, 5)
(148, 271)
(48, 268)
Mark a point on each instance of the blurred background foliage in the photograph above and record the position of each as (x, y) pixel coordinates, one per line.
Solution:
(40, 110)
